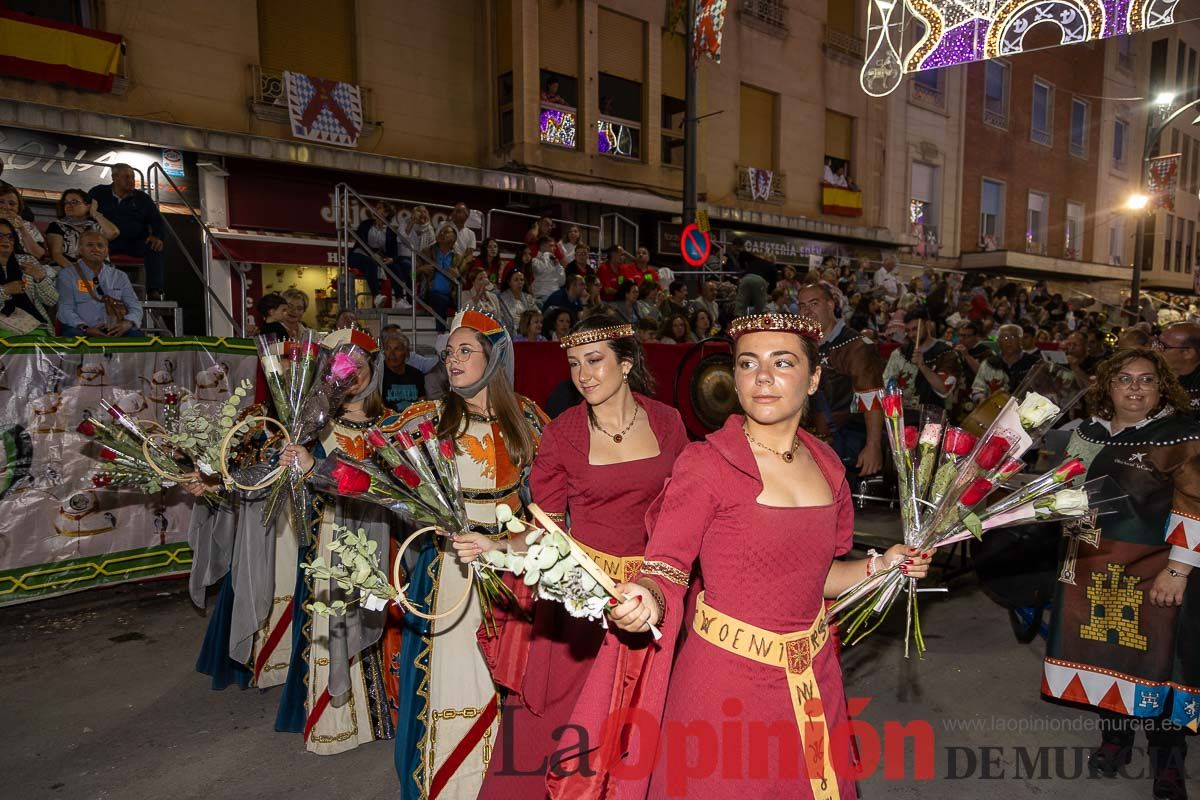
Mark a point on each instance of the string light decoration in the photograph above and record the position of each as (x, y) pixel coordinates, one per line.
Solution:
(557, 127)
(905, 36)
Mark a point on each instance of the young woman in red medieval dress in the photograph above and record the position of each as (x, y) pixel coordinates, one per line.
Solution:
(601, 463)
(752, 705)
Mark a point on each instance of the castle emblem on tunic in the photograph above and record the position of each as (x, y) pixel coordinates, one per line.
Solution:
(1116, 609)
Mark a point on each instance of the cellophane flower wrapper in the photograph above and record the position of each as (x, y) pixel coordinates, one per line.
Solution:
(902, 442)
(929, 440)
(275, 371)
(123, 460)
(957, 497)
(311, 413)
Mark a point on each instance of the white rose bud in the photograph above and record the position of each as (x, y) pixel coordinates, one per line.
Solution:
(1034, 410)
(1072, 502)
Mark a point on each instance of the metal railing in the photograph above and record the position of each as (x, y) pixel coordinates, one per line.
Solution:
(346, 222)
(205, 273)
(844, 43)
(746, 190)
(997, 119)
(770, 14)
(500, 215)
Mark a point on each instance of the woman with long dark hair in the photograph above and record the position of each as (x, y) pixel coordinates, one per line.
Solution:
(441, 668)
(1127, 616)
(601, 463)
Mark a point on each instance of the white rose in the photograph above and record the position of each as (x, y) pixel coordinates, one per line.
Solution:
(1035, 410)
(1071, 502)
(931, 435)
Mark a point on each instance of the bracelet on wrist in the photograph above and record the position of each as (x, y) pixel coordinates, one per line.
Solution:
(873, 561)
(1174, 573)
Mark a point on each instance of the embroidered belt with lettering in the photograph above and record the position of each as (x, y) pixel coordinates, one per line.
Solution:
(619, 568)
(794, 654)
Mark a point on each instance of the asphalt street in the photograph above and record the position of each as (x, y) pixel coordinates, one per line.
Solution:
(101, 700)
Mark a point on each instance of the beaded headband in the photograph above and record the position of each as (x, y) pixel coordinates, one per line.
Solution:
(598, 335)
(800, 325)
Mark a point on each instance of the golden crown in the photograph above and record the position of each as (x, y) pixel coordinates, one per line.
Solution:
(597, 335)
(788, 323)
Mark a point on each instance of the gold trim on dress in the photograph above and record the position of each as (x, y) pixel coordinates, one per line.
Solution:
(666, 571)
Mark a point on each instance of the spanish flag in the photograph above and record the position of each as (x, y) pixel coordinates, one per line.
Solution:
(45, 50)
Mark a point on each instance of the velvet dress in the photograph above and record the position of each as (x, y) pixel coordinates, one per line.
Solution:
(607, 505)
(763, 566)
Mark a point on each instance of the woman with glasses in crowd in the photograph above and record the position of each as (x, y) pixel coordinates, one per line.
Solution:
(77, 212)
(440, 750)
(600, 465)
(27, 289)
(1127, 616)
(762, 508)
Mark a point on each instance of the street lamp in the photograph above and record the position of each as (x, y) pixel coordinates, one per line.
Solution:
(1154, 129)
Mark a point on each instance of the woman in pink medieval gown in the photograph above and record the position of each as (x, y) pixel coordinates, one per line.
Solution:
(752, 705)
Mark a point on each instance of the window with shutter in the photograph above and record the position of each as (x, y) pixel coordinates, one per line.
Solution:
(756, 143)
(674, 91)
(622, 45)
(558, 36)
(287, 30)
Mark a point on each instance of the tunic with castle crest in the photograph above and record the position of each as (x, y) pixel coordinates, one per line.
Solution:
(1109, 647)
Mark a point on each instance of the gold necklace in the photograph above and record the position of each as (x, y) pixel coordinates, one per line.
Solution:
(620, 437)
(787, 455)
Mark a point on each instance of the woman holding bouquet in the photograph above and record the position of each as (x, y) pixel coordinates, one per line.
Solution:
(602, 462)
(337, 691)
(764, 509)
(1127, 617)
(447, 722)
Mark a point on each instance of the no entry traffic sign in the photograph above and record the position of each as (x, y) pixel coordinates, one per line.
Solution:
(694, 245)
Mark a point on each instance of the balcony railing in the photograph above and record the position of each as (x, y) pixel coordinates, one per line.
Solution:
(1041, 136)
(755, 185)
(766, 15)
(619, 138)
(842, 43)
(269, 101)
(926, 95)
(995, 118)
(558, 125)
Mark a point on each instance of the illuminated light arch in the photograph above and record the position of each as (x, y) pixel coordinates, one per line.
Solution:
(961, 31)
(1078, 20)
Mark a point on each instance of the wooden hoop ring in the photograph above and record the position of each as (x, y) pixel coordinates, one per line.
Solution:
(166, 476)
(223, 462)
(402, 591)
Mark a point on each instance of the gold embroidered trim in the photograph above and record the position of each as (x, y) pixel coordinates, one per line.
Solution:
(664, 570)
(557, 517)
(598, 335)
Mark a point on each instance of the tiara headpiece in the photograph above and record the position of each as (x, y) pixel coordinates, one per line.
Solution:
(802, 326)
(597, 335)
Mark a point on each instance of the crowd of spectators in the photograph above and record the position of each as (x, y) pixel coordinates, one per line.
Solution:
(64, 281)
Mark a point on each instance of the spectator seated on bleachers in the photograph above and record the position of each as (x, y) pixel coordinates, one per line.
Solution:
(380, 240)
(27, 289)
(77, 212)
(29, 238)
(141, 226)
(95, 298)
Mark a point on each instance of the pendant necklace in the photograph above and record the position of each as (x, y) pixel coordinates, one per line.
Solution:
(787, 455)
(620, 437)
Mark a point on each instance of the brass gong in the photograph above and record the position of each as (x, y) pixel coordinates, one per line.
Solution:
(712, 390)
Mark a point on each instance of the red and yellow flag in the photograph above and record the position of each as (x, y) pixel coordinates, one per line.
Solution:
(45, 50)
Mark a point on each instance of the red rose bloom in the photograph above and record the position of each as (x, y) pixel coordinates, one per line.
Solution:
(87, 428)
(1011, 467)
(893, 405)
(978, 490)
(1070, 469)
(958, 442)
(405, 439)
(427, 431)
(910, 436)
(407, 476)
(993, 451)
(447, 448)
(108, 454)
(375, 439)
(351, 480)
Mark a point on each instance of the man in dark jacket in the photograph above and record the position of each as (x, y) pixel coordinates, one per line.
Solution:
(141, 225)
(375, 235)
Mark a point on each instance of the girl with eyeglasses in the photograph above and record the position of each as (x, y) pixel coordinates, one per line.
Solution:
(77, 212)
(1127, 612)
(441, 667)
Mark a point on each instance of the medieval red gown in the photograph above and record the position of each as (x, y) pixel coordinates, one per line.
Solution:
(763, 565)
(607, 505)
